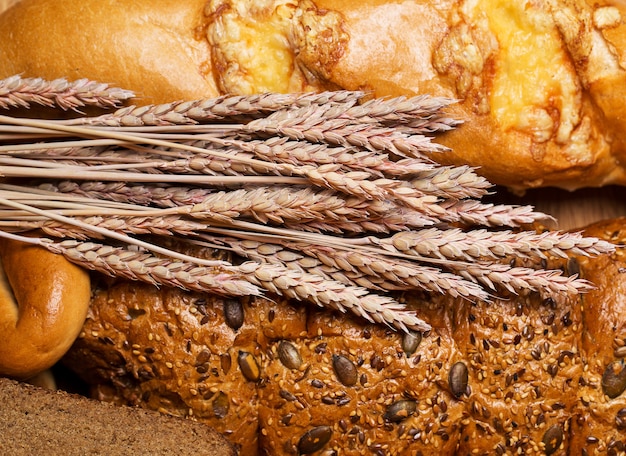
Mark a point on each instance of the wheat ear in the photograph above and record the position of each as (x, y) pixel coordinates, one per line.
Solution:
(16, 91)
(332, 294)
(480, 244)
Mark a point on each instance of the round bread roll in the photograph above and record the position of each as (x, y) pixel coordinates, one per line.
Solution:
(43, 303)
(539, 84)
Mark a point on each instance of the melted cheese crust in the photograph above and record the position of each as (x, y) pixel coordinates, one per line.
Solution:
(526, 65)
(272, 45)
(535, 88)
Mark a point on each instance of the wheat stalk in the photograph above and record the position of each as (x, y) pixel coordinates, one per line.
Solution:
(16, 91)
(455, 244)
(141, 266)
(353, 267)
(548, 283)
(219, 108)
(295, 208)
(309, 124)
(335, 295)
(327, 198)
(228, 281)
(450, 182)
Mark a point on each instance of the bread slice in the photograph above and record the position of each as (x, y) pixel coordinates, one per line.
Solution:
(34, 420)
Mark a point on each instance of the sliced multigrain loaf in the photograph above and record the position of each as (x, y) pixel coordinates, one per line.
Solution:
(34, 420)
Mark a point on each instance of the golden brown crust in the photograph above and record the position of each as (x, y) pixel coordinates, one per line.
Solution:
(178, 353)
(43, 303)
(555, 135)
(175, 352)
(599, 422)
(538, 86)
(155, 48)
(516, 376)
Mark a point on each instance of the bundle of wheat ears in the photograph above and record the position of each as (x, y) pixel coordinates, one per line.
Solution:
(331, 198)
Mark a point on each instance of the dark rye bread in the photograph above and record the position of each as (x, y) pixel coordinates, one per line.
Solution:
(38, 421)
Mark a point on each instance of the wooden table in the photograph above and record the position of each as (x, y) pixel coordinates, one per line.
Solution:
(572, 209)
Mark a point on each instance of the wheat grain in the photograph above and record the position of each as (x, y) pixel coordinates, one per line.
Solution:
(306, 124)
(480, 244)
(353, 267)
(16, 91)
(449, 182)
(296, 208)
(288, 182)
(219, 108)
(475, 213)
(144, 267)
(399, 110)
(549, 283)
(332, 294)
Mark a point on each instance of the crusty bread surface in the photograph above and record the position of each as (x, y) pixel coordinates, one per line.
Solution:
(523, 375)
(539, 85)
(43, 303)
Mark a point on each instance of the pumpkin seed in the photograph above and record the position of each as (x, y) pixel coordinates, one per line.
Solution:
(573, 267)
(458, 378)
(315, 439)
(345, 370)
(233, 313)
(221, 405)
(289, 355)
(400, 410)
(410, 341)
(614, 379)
(552, 439)
(203, 357)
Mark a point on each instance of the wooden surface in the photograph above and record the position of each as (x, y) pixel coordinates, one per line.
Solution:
(572, 209)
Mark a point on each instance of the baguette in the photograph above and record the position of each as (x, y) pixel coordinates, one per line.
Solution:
(538, 85)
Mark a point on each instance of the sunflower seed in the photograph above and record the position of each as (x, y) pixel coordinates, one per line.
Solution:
(249, 366)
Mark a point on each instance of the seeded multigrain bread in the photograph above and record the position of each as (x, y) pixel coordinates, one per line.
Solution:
(540, 83)
(599, 422)
(39, 421)
(275, 377)
(525, 375)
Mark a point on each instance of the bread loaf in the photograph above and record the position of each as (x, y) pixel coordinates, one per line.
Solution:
(38, 421)
(539, 84)
(523, 375)
(43, 302)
